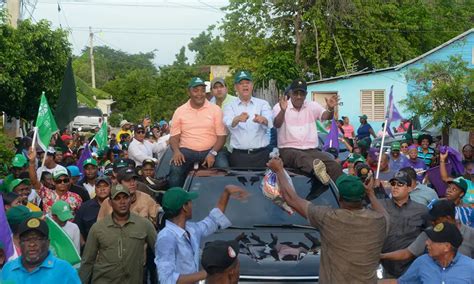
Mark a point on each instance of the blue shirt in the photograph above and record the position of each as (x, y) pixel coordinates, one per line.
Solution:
(51, 270)
(426, 270)
(177, 250)
(363, 131)
(465, 215)
(396, 165)
(248, 135)
(423, 194)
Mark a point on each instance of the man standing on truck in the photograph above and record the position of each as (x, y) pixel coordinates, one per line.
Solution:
(177, 245)
(351, 236)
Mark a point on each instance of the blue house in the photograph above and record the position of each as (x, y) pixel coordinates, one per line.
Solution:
(367, 92)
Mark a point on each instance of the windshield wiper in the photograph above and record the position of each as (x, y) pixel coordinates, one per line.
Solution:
(240, 228)
(286, 226)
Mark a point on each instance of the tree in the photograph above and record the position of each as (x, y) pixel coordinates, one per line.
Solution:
(110, 64)
(32, 60)
(444, 93)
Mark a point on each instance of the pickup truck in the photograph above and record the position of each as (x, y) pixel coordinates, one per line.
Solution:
(86, 119)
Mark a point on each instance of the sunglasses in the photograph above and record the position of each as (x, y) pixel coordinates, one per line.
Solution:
(140, 132)
(397, 183)
(59, 181)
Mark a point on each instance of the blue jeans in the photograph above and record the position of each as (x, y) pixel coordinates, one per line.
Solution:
(178, 174)
(222, 158)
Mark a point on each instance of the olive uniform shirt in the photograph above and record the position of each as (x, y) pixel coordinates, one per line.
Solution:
(114, 253)
(351, 243)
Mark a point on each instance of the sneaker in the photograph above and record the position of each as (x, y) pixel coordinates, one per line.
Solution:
(320, 171)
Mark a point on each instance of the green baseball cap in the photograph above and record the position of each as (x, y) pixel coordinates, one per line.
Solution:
(62, 209)
(242, 75)
(460, 182)
(19, 161)
(18, 214)
(196, 81)
(116, 189)
(60, 172)
(17, 182)
(176, 197)
(350, 188)
(354, 158)
(395, 146)
(89, 161)
(363, 116)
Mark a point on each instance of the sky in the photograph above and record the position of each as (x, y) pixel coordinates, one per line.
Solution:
(131, 26)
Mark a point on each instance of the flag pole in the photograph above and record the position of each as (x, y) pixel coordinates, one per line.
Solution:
(381, 149)
(35, 135)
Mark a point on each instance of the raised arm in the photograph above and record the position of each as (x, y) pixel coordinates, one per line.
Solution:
(442, 167)
(287, 190)
(280, 117)
(331, 103)
(32, 170)
(235, 191)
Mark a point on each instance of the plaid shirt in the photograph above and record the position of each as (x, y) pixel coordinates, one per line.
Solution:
(49, 197)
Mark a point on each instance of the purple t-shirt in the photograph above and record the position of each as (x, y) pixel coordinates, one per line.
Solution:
(419, 166)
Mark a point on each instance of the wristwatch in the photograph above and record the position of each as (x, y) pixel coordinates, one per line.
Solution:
(213, 152)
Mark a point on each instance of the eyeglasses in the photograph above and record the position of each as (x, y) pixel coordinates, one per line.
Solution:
(140, 132)
(59, 181)
(395, 183)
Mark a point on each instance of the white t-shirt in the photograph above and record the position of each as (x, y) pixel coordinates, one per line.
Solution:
(73, 232)
(40, 170)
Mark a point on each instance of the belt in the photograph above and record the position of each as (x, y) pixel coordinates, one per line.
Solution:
(250, 151)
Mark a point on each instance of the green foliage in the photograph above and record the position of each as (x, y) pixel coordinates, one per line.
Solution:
(33, 59)
(444, 93)
(7, 151)
(110, 64)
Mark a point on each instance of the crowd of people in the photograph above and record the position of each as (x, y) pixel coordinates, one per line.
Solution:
(131, 226)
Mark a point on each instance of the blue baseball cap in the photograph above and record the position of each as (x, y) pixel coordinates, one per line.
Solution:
(74, 170)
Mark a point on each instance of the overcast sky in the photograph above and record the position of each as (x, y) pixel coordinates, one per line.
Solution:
(131, 26)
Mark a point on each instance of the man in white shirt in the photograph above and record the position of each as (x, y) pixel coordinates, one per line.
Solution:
(141, 149)
(248, 120)
(50, 164)
(61, 214)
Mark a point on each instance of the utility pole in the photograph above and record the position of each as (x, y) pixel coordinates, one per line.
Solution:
(317, 50)
(13, 9)
(91, 51)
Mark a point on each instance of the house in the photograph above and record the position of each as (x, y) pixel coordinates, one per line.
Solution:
(367, 92)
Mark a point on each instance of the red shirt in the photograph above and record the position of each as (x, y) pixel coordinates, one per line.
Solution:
(49, 197)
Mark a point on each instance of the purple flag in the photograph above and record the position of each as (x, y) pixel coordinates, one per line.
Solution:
(332, 140)
(454, 157)
(86, 154)
(434, 176)
(5, 233)
(392, 112)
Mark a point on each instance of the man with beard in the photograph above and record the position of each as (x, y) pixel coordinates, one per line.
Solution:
(36, 263)
(114, 249)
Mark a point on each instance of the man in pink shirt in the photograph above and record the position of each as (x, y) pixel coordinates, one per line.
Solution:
(197, 133)
(297, 134)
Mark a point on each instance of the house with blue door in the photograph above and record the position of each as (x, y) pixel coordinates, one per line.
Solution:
(367, 92)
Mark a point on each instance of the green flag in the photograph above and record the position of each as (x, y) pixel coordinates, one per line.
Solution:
(45, 123)
(61, 244)
(101, 137)
(66, 109)
(320, 127)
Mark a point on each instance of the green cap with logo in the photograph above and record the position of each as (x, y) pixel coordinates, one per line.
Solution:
(89, 161)
(60, 172)
(196, 81)
(19, 161)
(460, 182)
(395, 146)
(242, 75)
(119, 188)
(176, 197)
(17, 182)
(19, 214)
(62, 209)
(350, 188)
(354, 158)
(363, 116)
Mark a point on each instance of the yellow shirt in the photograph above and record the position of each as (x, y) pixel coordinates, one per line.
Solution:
(33, 207)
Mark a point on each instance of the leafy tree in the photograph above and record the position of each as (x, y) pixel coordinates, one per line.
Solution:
(32, 60)
(444, 93)
(110, 64)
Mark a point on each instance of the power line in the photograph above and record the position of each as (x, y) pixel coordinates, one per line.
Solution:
(60, 11)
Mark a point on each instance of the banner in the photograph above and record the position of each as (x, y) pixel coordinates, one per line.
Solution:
(61, 244)
(45, 123)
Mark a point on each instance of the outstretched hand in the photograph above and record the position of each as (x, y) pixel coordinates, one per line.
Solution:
(237, 192)
(275, 164)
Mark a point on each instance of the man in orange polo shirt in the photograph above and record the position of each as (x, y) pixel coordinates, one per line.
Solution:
(197, 133)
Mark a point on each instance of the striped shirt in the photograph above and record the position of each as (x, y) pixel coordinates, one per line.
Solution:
(426, 157)
(465, 215)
